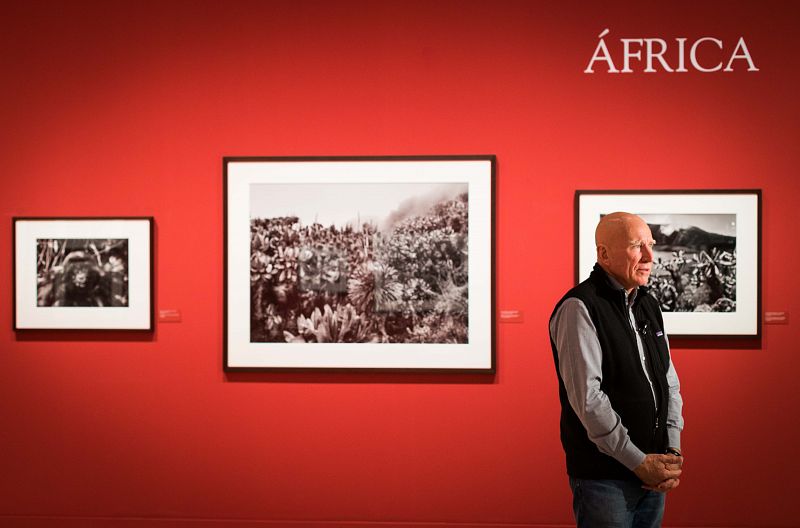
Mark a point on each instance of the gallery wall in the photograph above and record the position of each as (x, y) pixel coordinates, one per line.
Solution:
(127, 108)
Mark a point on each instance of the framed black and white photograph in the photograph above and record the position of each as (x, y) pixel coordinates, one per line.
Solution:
(83, 273)
(707, 256)
(359, 263)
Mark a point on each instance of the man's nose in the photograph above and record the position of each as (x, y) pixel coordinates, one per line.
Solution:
(647, 254)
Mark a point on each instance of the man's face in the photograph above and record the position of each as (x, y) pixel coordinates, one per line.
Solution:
(628, 254)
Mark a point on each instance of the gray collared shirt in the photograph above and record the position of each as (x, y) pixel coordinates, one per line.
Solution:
(580, 366)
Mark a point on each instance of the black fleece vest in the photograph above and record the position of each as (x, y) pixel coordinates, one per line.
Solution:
(624, 380)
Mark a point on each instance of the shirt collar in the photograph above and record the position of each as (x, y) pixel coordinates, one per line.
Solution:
(629, 297)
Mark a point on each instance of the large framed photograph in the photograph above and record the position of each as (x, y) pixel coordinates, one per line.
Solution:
(706, 273)
(359, 263)
(83, 273)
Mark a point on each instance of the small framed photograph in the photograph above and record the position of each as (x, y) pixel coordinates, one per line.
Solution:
(359, 263)
(83, 273)
(706, 273)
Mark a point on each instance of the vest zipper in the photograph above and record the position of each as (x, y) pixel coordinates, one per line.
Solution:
(647, 354)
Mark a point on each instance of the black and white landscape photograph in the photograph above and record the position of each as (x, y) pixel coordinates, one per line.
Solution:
(359, 262)
(694, 267)
(82, 272)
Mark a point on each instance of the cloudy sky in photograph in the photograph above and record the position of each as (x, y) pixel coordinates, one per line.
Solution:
(341, 204)
(722, 224)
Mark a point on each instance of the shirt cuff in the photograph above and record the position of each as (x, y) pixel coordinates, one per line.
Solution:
(631, 457)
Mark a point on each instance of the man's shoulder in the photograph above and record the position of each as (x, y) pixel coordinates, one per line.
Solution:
(580, 294)
(569, 306)
(585, 290)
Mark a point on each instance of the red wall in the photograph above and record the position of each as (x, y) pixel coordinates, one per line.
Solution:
(127, 108)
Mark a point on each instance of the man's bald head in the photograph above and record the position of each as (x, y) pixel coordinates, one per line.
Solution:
(625, 248)
(615, 226)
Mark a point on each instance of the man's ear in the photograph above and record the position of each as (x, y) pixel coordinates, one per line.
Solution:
(602, 253)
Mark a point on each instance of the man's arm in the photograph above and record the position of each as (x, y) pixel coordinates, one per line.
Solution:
(580, 366)
(675, 408)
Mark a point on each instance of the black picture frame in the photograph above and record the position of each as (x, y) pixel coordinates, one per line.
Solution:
(83, 273)
(707, 274)
(261, 192)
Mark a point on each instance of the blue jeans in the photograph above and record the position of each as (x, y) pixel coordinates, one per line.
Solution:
(615, 504)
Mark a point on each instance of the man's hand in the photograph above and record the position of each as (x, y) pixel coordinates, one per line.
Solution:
(665, 486)
(660, 472)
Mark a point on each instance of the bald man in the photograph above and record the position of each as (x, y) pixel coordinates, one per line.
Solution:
(620, 396)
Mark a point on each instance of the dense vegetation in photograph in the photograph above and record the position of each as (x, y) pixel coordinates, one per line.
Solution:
(82, 272)
(405, 284)
(699, 281)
